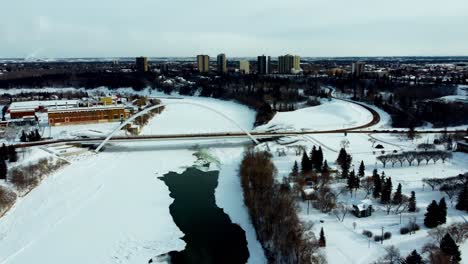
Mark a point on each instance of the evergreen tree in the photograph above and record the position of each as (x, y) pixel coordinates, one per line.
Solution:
(462, 200)
(37, 136)
(23, 137)
(305, 163)
(313, 156)
(386, 190)
(442, 212)
(319, 159)
(397, 197)
(450, 248)
(342, 157)
(322, 240)
(412, 202)
(345, 170)
(431, 217)
(344, 160)
(352, 180)
(12, 155)
(325, 168)
(413, 258)
(4, 152)
(3, 169)
(377, 184)
(362, 170)
(295, 171)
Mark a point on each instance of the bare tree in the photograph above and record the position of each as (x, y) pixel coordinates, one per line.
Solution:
(368, 185)
(451, 190)
(340, 211)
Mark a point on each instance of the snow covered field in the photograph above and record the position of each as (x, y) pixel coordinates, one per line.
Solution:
(111, 208)
(345, 245)
(336, 114)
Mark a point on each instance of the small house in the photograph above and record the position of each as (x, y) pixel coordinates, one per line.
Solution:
(362, 208)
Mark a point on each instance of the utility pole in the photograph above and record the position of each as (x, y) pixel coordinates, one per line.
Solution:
(381, 239)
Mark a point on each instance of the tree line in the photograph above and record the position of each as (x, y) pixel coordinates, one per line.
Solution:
(415, 156)
(272, 209)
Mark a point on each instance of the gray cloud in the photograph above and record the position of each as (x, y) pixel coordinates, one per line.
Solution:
(110, 28)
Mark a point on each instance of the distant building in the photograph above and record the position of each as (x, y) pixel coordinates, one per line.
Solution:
(357, 68)
(263, 64)
(141, 64)
(244, 66)
(203, 63)
(221, 63)
(19, 110)
(84, 115)
(288, 64)
(21, 113)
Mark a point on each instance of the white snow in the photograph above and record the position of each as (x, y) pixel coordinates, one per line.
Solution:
(336, 114)
(111, 208)
(346, 245)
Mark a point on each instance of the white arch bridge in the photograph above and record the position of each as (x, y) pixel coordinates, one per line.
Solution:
(154, 107)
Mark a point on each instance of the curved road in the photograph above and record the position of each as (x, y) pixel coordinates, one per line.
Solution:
(375, 120)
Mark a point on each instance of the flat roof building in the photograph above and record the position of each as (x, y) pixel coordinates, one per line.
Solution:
(357, 68)
(221, 63)
(244, 67)
(86, 115)
(288, 64)
(263, 64)
(141, 64)
(203, 63)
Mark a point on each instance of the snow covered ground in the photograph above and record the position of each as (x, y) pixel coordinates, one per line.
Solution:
(345, 245)
(111, 208)
(335, 114)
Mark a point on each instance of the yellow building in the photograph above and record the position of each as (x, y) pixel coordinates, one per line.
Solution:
(203, 63)
(106, 100)
(86, 115)
(244, 66)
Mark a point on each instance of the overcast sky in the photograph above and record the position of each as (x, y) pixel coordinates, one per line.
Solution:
(155, 28)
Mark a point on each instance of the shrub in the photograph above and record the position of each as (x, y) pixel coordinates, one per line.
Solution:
(377, 238)
(404, 230)
(387, 235)
(7, 198)
(367, 233)
(379, 146)
(22, 181)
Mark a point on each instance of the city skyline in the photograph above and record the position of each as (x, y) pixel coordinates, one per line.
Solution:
(54, 29)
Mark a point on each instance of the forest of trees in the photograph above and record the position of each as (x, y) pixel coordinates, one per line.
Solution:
(272, 209)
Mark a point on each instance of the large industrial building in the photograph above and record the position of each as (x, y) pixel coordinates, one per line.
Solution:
(19, 110)
(83, 115)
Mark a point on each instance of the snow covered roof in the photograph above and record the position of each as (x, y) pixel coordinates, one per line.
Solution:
(309, 191)
(91, 108)
(363, 205)
(37, 104)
